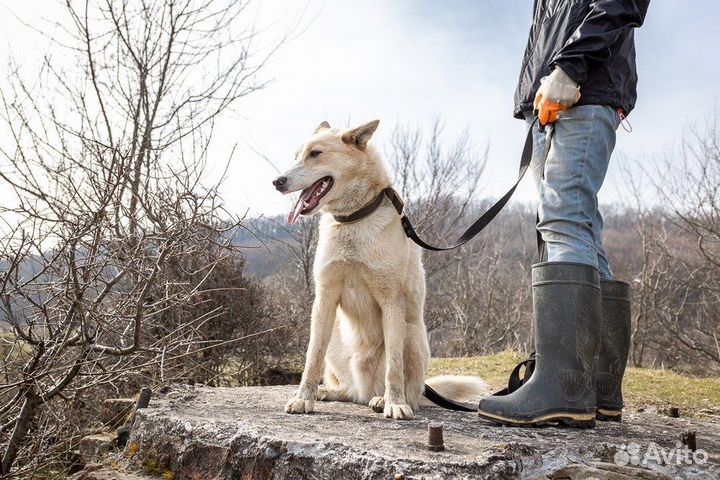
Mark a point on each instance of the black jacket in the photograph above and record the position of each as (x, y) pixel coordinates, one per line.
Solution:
(592, 41)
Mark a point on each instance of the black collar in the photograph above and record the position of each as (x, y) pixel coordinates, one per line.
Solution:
(373, 205)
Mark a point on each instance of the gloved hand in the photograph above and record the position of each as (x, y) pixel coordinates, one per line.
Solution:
(557, 92)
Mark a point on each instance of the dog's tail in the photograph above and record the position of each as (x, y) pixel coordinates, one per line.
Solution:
(454, 392)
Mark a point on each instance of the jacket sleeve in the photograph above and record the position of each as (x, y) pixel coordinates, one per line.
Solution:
(593, 39)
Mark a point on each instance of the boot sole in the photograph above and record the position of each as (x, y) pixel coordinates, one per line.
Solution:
(573, 420)
(605, 415)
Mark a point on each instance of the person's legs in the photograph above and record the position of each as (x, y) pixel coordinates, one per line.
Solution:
(603, 263)
(566, 289)
(568, 183)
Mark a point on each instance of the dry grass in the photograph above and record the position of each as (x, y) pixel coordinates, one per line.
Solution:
(642, 387)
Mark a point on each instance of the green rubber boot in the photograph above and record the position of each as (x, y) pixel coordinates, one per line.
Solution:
(614, 349)
(567, 309)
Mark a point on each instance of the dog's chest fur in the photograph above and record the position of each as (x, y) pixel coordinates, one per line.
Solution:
(367, 258)
(369, 242)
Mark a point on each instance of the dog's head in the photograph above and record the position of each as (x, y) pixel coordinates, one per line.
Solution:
(332, 166)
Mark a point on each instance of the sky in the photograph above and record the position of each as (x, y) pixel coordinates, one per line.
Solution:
(408, 62)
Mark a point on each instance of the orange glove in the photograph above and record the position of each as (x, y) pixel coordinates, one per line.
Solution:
(547, 110)
(557, 92)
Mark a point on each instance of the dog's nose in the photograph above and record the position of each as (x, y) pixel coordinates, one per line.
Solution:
(280, 183)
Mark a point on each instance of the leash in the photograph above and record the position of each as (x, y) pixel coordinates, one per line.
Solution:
(490, 214)
(432, 395)
(474, 229)
(541, 250)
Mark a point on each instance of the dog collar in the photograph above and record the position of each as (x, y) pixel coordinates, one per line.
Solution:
(373, 205)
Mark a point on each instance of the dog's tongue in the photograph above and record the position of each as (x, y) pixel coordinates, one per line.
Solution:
(295, 213)
(307, 201)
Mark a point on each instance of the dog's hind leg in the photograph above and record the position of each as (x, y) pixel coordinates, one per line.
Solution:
(331, 391)
(331, 395)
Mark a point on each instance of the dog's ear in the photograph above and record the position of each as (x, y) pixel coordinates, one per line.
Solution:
(323, 126)
(360, 136)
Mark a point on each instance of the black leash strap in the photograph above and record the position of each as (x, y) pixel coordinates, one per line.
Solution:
(474, 229)
(443, 402)
(541, 247)
(486, 217)
(515, 381)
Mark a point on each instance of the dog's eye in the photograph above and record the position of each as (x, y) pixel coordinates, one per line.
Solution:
(315, 153)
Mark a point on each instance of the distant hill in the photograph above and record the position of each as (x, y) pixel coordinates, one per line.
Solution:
(262, 241)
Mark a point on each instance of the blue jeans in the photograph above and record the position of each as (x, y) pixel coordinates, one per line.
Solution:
(570, 222)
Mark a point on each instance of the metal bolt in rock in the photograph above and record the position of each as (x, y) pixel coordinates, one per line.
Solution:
(143, 402)
(435, 437)
(689, 439)
(144, 399)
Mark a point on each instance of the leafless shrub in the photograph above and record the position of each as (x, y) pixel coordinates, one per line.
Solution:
(677, 287)
(477, 295)
(439, 183)
(291, 283)
(112, 247)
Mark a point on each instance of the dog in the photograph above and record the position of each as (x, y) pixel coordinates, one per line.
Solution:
(367, 333)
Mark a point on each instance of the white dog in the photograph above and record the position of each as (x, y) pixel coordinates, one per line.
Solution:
(367, 331)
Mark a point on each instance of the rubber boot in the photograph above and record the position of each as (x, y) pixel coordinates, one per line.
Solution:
(566, 305)
(614, 348)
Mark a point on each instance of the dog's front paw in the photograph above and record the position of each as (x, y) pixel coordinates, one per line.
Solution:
(377, 404)
(398, 411)
(299, 405)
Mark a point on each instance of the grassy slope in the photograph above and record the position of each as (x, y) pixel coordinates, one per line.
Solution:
(641, 387)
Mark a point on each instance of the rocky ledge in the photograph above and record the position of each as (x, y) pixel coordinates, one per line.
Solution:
(243, 433)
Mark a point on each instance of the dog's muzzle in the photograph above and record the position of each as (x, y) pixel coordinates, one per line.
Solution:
(280, 184)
